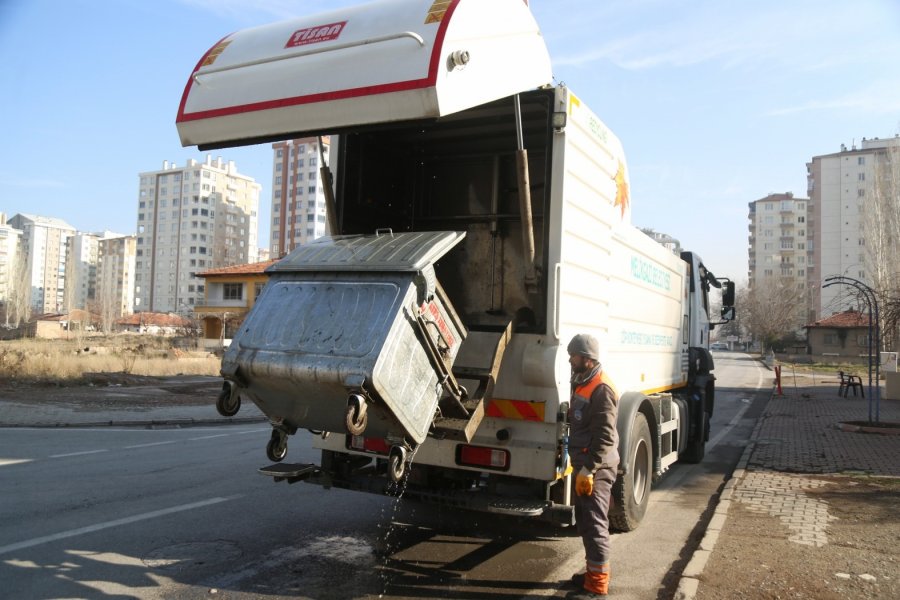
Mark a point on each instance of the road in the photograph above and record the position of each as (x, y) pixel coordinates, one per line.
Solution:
(164, 513)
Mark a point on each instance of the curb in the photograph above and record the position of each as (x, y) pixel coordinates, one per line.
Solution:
(689, 582)
(148, 424)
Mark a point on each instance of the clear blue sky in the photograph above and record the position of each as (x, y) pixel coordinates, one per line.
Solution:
(717, 103)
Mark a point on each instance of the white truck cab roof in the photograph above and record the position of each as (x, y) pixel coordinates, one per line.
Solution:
(391, 60)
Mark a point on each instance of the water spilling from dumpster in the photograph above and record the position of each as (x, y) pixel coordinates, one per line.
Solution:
(387, 528)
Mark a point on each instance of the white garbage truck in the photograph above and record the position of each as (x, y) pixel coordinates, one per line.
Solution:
(479, 217)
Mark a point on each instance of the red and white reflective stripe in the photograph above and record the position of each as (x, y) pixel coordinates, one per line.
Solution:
(523, 410)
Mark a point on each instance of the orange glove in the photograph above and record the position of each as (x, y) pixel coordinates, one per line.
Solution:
(584, 482)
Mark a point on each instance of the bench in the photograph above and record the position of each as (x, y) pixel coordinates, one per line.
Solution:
(849, 382)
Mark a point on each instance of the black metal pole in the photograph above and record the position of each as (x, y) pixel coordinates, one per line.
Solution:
(872, 302)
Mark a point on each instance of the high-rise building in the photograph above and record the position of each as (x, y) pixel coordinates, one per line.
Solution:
(82, 262)
(81, 270)
(191, 219)
(840, 187)
(298, 198)
(780, 247)
(9, 254)
(45, 241)
(115, 276)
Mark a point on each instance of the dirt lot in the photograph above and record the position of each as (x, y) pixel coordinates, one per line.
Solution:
(115, 390)
(753, 557)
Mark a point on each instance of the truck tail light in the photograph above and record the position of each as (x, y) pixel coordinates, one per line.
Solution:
(364, 444)
(482, 456)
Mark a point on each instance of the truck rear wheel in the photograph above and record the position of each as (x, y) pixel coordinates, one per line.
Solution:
(631, 492)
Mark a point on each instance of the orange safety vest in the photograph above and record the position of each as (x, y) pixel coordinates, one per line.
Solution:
(586, 389)
(579, 435)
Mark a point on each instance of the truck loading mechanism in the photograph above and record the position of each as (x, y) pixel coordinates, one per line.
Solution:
(481, 217)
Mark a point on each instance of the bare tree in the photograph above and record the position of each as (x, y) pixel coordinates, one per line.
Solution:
(19, 305)
(106, 303)
(773, 309)
(881, 224)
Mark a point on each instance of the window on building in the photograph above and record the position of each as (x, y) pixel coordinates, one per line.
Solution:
(830, 339)
(233, 291)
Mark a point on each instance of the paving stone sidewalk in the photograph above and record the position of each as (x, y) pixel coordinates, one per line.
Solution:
(802, 432)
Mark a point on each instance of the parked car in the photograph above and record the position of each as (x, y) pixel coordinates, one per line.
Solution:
(716, 346)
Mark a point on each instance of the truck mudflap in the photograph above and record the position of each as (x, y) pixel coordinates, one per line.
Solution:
(477, 500)
(355, 334)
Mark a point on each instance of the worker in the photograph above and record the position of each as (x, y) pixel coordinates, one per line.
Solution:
(594, 451)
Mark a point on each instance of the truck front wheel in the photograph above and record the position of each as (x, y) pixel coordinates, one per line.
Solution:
(631, 492)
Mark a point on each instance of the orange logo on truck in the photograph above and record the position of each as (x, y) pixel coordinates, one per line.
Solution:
(437, 11)
(314, 35)
(621, 189)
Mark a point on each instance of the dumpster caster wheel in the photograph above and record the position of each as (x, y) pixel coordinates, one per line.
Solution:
(276, 449)
(229, 401)
(397, 464)
(356, 417)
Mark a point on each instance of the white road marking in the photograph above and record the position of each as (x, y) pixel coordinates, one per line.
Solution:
(149, 444)
(5, 462)
(82, 453)
(208, 437)
(108, 524)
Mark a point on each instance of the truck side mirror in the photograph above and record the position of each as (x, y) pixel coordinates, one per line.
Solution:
(728, 296)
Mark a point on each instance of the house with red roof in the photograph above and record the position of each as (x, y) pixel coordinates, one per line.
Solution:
(230, 293)
(154, 323)
(843, 335)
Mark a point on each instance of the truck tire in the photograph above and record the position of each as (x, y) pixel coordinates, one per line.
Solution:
(631, 492)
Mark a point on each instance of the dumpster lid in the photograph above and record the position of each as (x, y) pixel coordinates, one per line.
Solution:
(382, 251)
(393, 60)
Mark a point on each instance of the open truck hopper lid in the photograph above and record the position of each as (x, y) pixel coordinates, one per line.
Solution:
(393, 60)
(384, 251)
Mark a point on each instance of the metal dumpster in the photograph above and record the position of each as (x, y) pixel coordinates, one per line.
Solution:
(351, 334)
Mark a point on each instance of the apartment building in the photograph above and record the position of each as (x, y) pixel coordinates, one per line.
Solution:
(9, 246)
(115, 277)
(840, 186)
(298, 197)
(191, 219)
(81, 270)
(45, 244)
(781, 246)
(82, 261)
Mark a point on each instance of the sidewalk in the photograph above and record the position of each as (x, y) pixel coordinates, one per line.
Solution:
(809, 511)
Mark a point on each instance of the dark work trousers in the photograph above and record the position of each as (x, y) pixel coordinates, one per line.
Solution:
(592, 517)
